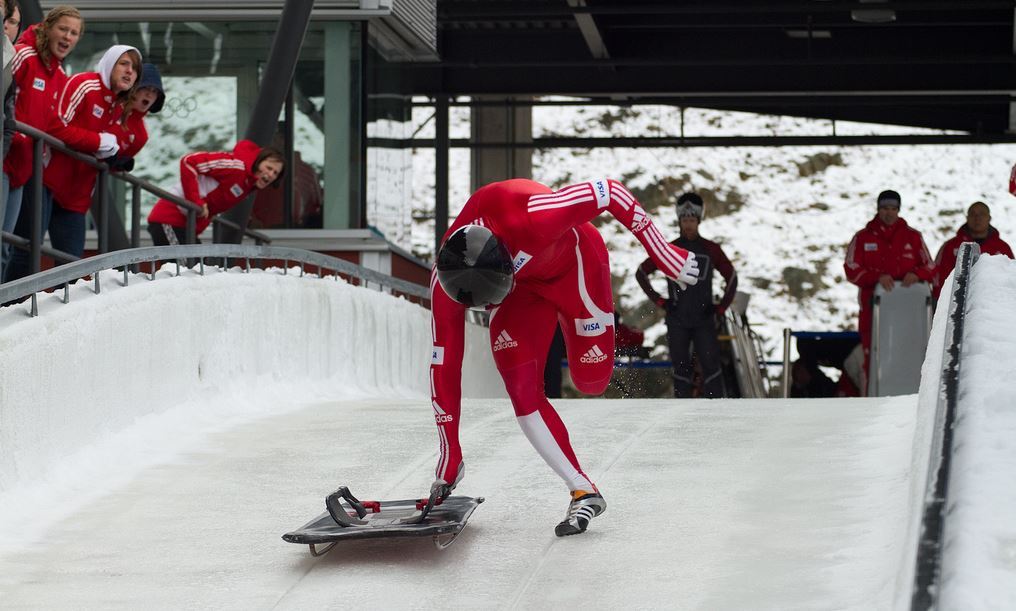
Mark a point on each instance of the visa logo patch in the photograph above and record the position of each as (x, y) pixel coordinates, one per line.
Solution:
(602, 191)
(98, 111)
(39, 84)
(236, 190)
(521, 259)
(590, 327)
(868, 247)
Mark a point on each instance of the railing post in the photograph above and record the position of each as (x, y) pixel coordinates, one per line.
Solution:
(36, 235)
(103, 201)
(136, 216)
(785, 382)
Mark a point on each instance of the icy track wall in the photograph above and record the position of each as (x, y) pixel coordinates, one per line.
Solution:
(261, 342)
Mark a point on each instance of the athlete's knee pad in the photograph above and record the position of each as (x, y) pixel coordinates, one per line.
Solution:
(591, 382)
(525, 388)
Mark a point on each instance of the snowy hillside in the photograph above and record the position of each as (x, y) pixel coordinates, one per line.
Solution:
(783, 215)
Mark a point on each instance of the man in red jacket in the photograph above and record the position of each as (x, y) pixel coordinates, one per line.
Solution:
(977, 229)
(531, 256)
(885, 251)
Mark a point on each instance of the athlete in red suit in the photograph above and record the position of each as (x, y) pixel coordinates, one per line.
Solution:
(557, 272)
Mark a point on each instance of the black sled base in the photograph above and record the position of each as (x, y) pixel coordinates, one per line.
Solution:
(382, 519)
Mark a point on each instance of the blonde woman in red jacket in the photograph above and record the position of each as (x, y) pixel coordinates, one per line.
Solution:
(90, 102)
(216, 182)
(39, 78)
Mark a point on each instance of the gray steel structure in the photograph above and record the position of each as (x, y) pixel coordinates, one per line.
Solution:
(946, 65)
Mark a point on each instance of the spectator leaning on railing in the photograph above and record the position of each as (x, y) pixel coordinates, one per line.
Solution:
(216, 182)
(129, 129)
(39, 79)
(90, 102)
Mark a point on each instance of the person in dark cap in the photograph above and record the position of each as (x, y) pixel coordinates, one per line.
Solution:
(887, 250)
(691, 314)
(129, 129)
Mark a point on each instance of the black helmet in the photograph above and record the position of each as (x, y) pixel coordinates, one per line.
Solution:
(474, 267)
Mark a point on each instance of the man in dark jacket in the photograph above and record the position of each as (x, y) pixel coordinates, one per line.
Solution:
(691, 314)
(977, 229)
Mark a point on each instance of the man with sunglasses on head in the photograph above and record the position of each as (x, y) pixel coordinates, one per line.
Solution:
(691, 314)
(887, 250)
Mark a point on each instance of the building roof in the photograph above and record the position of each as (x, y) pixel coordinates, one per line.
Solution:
(937, 64)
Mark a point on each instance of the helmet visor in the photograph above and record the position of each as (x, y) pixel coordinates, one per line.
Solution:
(475, 268)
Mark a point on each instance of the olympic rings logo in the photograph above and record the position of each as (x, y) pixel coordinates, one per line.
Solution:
(179, 107)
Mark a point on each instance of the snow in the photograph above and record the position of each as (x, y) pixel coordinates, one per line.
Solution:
(158, 439)
(94, 391)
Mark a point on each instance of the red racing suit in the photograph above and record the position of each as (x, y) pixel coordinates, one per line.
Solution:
(878, 249)
(221, 180)
(946, 259)
(562, 275)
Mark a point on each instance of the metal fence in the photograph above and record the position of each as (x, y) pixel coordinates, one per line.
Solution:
(101, 205)
(240, 254)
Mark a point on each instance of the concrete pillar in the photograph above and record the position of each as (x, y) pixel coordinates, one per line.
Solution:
(339, 211)
(508, 124)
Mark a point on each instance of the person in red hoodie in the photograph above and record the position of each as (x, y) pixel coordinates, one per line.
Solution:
(216, 182)
(977, 229)
(89, 103)
(885, 251)
(38, 77)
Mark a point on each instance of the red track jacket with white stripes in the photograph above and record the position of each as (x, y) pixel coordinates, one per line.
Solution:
(221, 180)
(39, 89)
(87, 107)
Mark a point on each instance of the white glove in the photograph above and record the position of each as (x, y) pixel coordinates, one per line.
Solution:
(689, 272)
(108, 146)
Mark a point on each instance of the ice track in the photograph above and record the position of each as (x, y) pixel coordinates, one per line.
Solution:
(711, 505)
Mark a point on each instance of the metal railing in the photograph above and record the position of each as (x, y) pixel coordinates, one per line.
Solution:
(100, 204)
(929, 550)
(135, 257)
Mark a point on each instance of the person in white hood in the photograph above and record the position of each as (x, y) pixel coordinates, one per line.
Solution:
(89, 104)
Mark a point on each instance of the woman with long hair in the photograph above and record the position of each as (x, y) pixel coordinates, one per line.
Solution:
(38, 80)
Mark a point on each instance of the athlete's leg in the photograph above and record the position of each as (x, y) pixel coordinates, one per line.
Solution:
(521, 330)
(586, 308)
